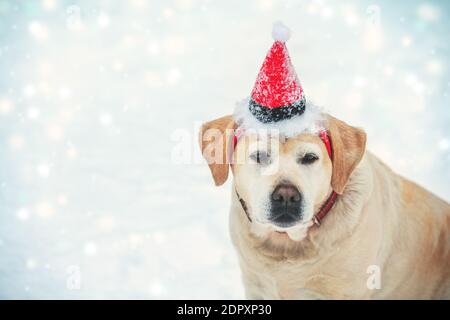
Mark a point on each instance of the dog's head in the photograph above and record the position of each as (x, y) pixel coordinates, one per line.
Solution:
(283, 181)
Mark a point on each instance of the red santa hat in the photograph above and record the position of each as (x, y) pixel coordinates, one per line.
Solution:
(277, 100)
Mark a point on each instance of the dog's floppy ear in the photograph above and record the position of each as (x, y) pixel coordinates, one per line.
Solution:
(216, 139)
(348, 144)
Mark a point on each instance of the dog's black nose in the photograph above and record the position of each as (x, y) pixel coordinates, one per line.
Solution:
(286, 194)
(286, 205)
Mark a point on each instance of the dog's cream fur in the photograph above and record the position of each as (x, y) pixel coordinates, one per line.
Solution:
(380, 219)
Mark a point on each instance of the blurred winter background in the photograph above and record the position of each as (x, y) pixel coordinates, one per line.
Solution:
(95, 97)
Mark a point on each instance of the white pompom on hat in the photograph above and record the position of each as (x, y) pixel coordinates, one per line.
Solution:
(280, 32)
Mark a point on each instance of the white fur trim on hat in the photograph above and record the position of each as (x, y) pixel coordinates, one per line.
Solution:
(310, 121)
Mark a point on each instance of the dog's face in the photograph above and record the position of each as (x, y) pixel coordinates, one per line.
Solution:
(283, 182)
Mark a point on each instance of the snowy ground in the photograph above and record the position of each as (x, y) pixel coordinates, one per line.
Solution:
(95, 96)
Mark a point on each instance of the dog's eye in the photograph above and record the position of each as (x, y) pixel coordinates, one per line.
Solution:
(260, 157)
(308, 158)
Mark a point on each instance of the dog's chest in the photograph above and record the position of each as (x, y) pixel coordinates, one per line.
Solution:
(281, 280)
(302, 283)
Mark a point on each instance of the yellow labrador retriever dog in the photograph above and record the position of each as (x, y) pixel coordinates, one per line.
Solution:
(381, 237)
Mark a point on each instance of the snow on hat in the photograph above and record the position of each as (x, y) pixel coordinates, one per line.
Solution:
(277, 100)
